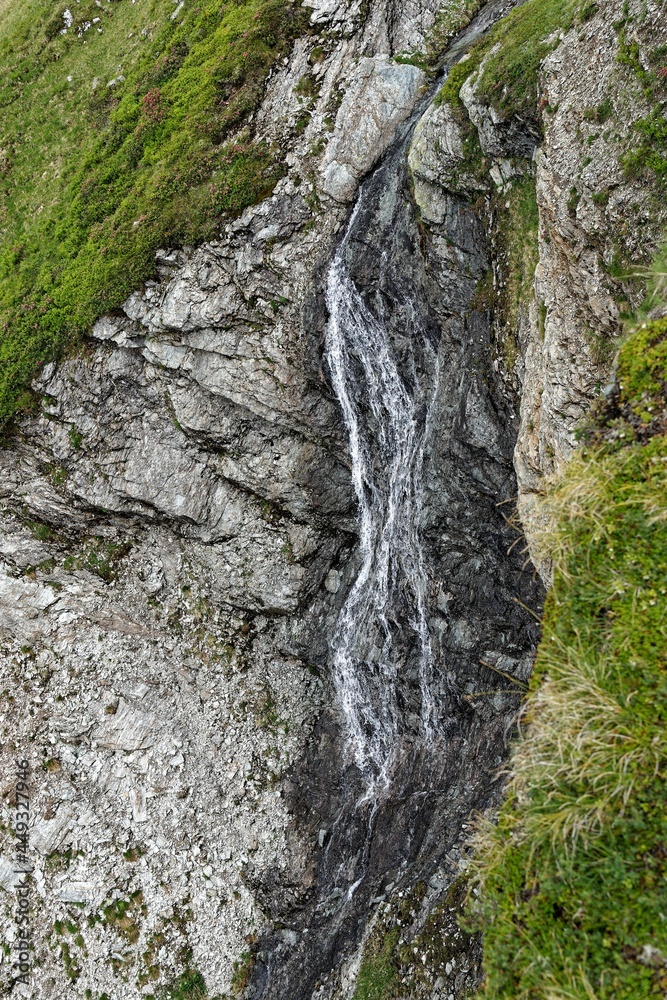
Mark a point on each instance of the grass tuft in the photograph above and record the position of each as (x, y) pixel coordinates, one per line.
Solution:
(377, 979)
(517, 252)
(190, 985)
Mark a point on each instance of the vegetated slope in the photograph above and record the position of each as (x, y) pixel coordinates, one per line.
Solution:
(512, 54)
(574, 890)
(122, 128)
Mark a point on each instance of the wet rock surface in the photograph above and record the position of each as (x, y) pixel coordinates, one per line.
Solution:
(475, 620)
(179, 536)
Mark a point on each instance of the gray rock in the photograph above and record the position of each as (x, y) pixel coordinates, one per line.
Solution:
(379, 97)
(575, 312)
(77, 892)
(47, 835)
(128, 729)
(22, 603)
(9, 876)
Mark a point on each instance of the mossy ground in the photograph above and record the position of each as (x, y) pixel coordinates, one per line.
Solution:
(635, 410)
(125, 133)
(407, 952)
(517, 253)
(574, 875)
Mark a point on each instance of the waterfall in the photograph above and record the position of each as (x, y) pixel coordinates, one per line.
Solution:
(431, 587)
(386, 418)
(386, 410)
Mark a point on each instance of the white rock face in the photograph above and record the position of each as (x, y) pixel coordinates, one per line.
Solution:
(331, 11)
(155, 726)
(128, 728)
(379, 97)
(47, 835)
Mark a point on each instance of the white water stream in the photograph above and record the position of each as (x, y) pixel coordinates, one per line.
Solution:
(387, 424)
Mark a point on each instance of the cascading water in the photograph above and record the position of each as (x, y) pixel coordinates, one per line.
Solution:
(387, 420)
(432, 593)
(385, 403)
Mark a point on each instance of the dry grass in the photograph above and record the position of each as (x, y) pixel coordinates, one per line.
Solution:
(578, 989)
(582, 750)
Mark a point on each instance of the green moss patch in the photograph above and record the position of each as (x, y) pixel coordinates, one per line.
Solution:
(242, 971)
(517, 251)
(521, 40)
(120, 132)
(525, 38)
(377, 979)
(407, 953)
(190, 985)
(124, 916)
(573, 877)
(635, 408)
(71, 946)
(99, 556)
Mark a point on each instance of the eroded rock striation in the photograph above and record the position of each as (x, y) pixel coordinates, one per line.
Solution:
(179, 530)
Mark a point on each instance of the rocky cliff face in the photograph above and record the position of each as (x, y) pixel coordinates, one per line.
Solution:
(179, 531)
(592, 217)
(596, 221)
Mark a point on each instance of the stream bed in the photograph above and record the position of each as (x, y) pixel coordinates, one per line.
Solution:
(438, 589)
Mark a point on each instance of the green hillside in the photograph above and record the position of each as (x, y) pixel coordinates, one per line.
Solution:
(122, 128)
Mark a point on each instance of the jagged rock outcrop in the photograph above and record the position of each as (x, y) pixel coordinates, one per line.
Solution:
(179, 530)
(592, 215)
(436, 161)
(169, 516)
(379, 99)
